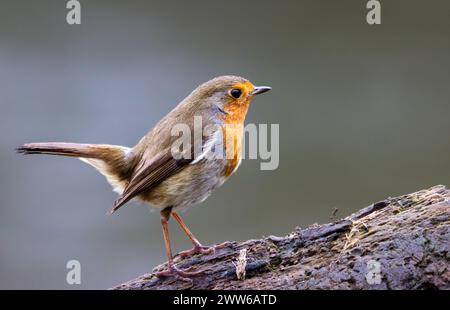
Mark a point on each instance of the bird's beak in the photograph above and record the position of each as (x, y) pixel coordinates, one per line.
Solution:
(260, 89)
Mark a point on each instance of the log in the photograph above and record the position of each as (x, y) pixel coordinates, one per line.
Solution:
(396, 243)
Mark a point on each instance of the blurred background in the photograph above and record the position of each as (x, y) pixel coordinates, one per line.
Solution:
(363, 113)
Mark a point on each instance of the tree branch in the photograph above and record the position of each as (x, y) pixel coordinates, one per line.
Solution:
(396, 243)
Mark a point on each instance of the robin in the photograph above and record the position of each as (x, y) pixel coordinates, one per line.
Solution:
(154, 172)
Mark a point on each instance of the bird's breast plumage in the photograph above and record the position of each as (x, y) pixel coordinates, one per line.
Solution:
(233, 135)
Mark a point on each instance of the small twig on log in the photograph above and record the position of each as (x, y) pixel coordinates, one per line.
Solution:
(396, 243)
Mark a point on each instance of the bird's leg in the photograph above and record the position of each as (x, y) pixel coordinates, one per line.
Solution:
(198, 247)
(172, 269)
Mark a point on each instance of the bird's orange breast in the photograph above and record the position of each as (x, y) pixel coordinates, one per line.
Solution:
(232, 145)
(233, 128)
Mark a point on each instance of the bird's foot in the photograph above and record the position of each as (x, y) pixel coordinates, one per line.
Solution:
(197, 249)
(201, 249)
(182, 274)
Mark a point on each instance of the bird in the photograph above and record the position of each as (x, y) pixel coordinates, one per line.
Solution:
(166, 174)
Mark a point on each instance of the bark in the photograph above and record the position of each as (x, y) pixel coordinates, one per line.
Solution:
(396, 243)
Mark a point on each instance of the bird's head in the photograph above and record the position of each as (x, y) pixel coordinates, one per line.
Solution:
(229, 96)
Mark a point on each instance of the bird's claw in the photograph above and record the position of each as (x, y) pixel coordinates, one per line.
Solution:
(198, 249)
(182, 274)
(201, 249)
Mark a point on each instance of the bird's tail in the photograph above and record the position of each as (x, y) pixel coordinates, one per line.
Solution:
(64, 149)
(113, 161)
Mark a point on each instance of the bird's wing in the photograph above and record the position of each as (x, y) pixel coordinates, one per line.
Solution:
(149, 174)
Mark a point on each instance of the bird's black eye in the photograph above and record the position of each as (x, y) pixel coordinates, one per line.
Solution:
(236, 93)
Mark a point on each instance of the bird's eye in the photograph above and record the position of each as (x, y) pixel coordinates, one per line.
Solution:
(235, 93)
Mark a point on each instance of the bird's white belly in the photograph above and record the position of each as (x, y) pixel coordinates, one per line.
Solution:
(190, 186)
